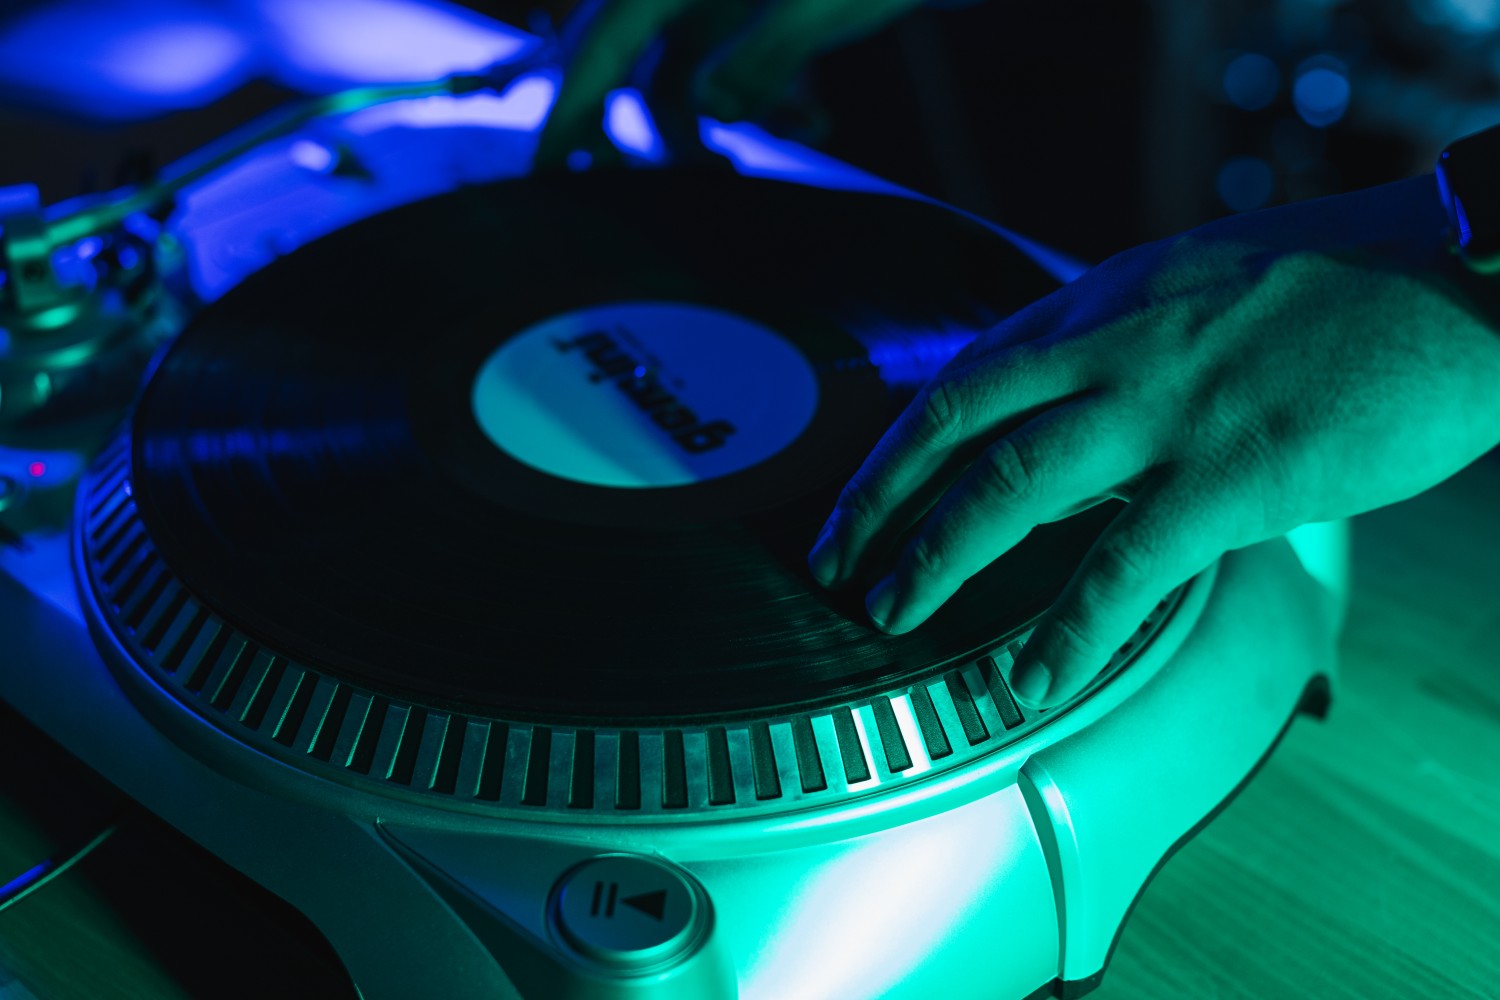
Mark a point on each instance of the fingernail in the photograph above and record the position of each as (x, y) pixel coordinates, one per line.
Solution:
(823, 560)
(1030, 682)
(881, 601)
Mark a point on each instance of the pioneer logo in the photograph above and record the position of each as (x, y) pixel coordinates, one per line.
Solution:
(642, 387)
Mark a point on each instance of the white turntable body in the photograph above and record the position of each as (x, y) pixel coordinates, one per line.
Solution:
(1006, 876)
(1010, 878)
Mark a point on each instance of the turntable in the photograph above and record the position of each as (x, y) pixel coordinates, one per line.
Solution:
(446, 577)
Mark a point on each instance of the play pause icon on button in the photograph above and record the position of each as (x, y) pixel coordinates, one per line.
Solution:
(628, 911)
(652, 904)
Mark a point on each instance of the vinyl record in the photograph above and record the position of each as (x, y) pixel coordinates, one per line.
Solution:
(556, 448)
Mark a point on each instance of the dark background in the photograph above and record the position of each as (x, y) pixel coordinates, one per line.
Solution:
(1087, 124)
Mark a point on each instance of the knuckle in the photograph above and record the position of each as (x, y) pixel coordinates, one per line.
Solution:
(1119, 569)
(925, 558)
(939, 412)
(1071, 632)
(1008, 472)
(857, 505)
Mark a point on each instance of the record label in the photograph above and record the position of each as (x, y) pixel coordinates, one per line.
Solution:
(640, 395)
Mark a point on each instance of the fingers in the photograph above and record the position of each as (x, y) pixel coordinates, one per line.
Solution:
(934, 438)
(759, 67)
(1162, 539)
(1041, 471)
(611, 43)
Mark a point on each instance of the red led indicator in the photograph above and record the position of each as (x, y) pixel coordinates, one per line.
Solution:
(37, 469)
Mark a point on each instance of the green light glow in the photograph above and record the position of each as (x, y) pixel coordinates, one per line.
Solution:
(1323, 549)
(863, 914)
(54, 318)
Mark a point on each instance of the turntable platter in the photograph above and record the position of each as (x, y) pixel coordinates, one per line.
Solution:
(556, 448)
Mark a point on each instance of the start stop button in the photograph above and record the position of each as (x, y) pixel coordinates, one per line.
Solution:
(629, 912)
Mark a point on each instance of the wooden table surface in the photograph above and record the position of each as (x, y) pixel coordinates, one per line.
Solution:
(1364, 860)
(1362, 863)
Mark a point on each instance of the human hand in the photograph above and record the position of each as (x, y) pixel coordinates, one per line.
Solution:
(745, 54)
(1300, 364)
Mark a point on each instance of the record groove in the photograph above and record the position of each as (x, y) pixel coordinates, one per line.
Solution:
(309, 457)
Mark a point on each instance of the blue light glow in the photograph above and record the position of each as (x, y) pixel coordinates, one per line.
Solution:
(1245, 183)
(18, 198)
(628, 124)
(118, 60)
(142, 225)
(172, 59)
(908, 358)
(43, 563)
(1465, 231)
(1451, 201)
(260, 445)
(133, 57)
(36, 877)
(71, 264)
(312, 155)
(1062, 266)
(1250, 81)
(523, 107)
(44, 566)
(24, 879)
(755, 152)
(1321, 96)
(266, 205)
(48, 468)
(329, 44)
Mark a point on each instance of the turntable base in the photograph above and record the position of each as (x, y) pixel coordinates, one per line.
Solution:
(1260, 872)
(506, 726)
(340, 861)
